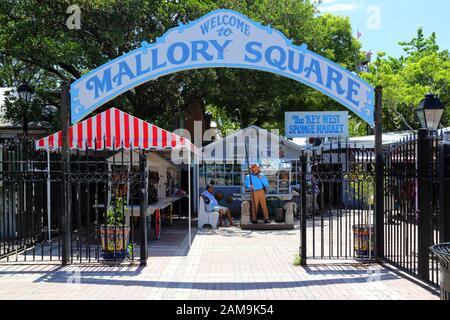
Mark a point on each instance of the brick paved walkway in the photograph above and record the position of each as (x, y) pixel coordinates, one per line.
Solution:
(226, 264)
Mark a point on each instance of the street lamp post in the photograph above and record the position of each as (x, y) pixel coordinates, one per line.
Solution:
(25, 95)
(429, 113)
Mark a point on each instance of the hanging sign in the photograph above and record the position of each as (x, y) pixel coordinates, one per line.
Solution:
(222, 38)
(316, 124)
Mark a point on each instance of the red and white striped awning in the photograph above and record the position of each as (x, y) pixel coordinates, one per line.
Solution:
(114, 129)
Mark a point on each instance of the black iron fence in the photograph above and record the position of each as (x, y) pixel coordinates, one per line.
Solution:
(337, 202)
(412, 211)
(110, 191)
(107, 196)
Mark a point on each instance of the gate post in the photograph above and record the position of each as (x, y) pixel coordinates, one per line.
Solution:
(444, 185)
(423, 189)
(143, 207)
(66, 188)
(379, 172)
(303, 240)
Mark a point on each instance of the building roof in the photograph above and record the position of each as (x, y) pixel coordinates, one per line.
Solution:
(220, 149)
(368, 142)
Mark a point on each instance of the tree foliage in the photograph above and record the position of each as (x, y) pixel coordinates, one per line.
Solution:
(423, 68)
(37, 46)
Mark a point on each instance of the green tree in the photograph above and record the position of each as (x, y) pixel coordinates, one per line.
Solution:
(424, 68)
(34, 34)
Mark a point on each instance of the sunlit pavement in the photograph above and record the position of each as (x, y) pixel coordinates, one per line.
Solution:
(226, 264)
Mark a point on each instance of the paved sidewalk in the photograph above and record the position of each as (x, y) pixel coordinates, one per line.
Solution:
(227, 264)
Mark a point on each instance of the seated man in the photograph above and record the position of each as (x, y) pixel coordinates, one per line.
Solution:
(209, 193)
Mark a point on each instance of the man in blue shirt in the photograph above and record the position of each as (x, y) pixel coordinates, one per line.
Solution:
(259, 185)
(214, 205)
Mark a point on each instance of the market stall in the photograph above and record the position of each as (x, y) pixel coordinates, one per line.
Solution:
(225, 165)
(122, 137)
(163, 188)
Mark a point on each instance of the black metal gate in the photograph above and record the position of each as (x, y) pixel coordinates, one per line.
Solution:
(337, 202)
(108, 190)
(412, 211)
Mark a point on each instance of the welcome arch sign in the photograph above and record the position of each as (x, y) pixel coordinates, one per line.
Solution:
(222, 38)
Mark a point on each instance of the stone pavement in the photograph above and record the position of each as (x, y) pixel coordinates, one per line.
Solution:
(226, 264)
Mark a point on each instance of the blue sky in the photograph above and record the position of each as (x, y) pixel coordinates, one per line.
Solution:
(384, 23)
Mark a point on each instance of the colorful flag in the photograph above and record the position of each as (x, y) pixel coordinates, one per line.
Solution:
(358, 34)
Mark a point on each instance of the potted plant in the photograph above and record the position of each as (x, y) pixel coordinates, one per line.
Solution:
(364, 231)
(115, 234)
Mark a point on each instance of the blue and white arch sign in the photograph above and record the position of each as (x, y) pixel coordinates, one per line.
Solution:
(222, 38)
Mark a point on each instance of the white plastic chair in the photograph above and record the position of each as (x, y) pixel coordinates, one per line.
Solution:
(206, 217)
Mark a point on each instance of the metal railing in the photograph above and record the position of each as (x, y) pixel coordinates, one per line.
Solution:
(337, 202)
(412, 211)
(104, 199)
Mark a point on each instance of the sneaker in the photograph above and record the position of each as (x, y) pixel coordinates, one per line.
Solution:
(254, 222)
(267, 222)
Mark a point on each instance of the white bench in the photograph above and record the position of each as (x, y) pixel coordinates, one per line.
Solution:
(206, 217)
